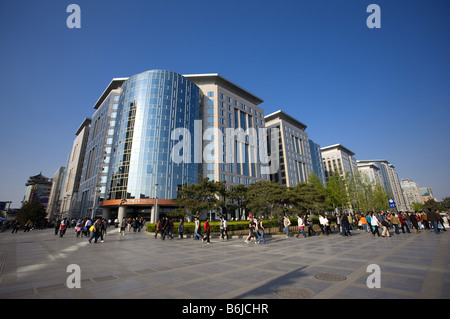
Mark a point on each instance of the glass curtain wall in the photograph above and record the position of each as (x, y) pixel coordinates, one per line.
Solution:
(151, 106)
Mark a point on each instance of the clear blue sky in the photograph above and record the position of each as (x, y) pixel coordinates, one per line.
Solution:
(382, 93)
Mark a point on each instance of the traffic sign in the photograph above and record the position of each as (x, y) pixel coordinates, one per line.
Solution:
(391, 203)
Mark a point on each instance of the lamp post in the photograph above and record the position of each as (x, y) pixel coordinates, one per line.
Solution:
(156, 215)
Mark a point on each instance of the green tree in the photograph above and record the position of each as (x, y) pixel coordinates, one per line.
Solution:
(33, 211)
(266, 198)
(337, 192)
(195, 198)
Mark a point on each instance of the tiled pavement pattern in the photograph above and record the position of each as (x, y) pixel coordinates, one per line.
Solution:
(34, 265)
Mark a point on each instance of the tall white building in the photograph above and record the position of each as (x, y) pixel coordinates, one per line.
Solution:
(391, 182)
(338, 158)
(411, 192)
(295, 162)
(228, 106)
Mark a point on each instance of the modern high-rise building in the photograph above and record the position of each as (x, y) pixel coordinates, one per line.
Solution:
(317, 162)
(426, 193)
(295, 162)
(152, 106)
(391, 182)
(99, 148)
(411, 192)
(69, 192)
(54, 201)
(227, 108)
(371, 172)
(337, 158)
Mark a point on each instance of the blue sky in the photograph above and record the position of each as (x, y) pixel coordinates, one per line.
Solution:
(382, 93)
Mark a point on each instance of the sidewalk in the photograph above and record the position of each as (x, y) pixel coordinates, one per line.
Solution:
(35, 265)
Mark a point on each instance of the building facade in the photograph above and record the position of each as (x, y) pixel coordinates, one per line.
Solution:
(337, 158)
(411, 193)
(391, 182)
(229, 113)
(54, 201)
(99, 148)
(295, 162)
(142, 171)
(69, 193)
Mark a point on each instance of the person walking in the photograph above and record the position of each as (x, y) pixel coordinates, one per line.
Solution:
(286, 224)
(375, 224)
(62, 228)
(28, 225)
(403, 224)
(207, 228)
(434, 220)
(395, 222)
(251, 231)
(301, 226)
(223, 228)
(15, 226)
(57, 224)
(261, 232)
(414, 222)
(95, 230)
(310, 224)
(159, 228)
(197, 229)
(123, 226)
(346, 225)
(181, 228)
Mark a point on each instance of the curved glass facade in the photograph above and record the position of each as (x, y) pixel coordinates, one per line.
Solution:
(151, 106)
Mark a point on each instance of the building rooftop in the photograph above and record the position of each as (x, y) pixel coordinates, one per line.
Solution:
(114, 84)
(215, 78)
(283, 116)
(337, 146)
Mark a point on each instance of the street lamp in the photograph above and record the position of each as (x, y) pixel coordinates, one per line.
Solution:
(156, 204)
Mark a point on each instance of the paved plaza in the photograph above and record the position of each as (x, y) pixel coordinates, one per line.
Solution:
(36, 265)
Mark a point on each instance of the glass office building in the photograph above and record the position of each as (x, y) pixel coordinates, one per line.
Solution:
(152, 104)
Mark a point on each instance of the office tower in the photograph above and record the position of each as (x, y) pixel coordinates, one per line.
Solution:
(337, 158)
(317, 162)
(54, 201)
(391, 182)
(152, 105)
(69, 193)
(99, 150)
(371, 172)
(227, 108)
(295, 163)
(411, 192)
(426, 193)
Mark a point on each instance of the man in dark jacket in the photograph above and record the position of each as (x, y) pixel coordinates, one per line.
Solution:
(434, 219)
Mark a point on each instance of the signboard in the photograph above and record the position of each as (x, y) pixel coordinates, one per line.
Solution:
(391, 203)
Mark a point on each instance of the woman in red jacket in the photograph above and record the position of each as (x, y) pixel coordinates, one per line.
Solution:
(207, 231)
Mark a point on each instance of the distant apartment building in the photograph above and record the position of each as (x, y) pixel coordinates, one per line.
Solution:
(69, 192)
(338, 158)
(390, 181)
(371, 173)
(411, 192)
(295, 162)
(426, 193)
